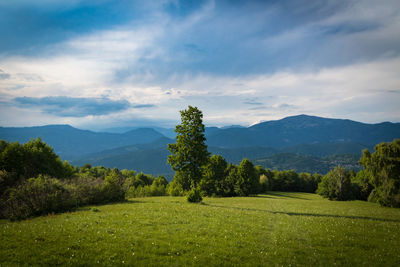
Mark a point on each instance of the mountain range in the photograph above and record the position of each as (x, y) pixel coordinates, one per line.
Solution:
(302, 143)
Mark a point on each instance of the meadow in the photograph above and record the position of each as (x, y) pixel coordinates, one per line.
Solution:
(266, 230)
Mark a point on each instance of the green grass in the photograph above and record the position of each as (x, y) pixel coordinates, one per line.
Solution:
(268, 230)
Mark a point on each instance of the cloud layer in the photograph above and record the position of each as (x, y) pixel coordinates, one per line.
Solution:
(132, 62)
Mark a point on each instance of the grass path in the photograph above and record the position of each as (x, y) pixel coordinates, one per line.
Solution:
(268, 230)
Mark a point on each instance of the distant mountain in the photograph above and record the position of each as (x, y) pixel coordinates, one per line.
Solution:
(303, 129)
(232, 126)
(168, 132)
(149, 158)
(301, 143)
(69, 142)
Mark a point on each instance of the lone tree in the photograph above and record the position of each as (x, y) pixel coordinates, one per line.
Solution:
(189, 153)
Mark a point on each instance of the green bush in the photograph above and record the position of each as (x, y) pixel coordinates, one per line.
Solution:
(86, 190)
(112, 189)
(37, 196)
(194, 196)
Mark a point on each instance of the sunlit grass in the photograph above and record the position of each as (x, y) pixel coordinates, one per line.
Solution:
(274, 229)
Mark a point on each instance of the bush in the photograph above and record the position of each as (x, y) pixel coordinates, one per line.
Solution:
(112, 189)
(37, 196)
(86, 190)
(194, 196)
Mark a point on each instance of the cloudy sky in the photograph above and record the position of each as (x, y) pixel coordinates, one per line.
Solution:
(113, 63)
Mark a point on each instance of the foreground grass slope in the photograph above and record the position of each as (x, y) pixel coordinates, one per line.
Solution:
(273, 229)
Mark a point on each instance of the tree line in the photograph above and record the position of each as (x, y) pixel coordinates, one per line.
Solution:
(198, 174)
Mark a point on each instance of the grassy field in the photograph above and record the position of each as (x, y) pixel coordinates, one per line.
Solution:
(268, 230)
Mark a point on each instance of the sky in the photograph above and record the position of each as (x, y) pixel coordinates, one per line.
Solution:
(125, 63)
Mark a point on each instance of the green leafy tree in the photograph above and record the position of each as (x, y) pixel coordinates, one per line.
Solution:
(228, 184)
(383, 168)
(213, 176)
(336, 185)
(248, 182)
(20, 162)
(189, 153)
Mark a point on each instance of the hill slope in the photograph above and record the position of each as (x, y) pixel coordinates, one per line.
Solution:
(69, 142)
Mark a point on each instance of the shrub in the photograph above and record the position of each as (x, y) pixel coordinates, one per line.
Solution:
(37, 196)
(86, 191)
(194, 196)
(112, 189)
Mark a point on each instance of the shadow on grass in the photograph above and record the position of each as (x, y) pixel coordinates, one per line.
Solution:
(263, 196)
(286, 195)
(308, 214)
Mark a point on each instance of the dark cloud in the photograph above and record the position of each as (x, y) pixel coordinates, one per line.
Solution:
(64, 106)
